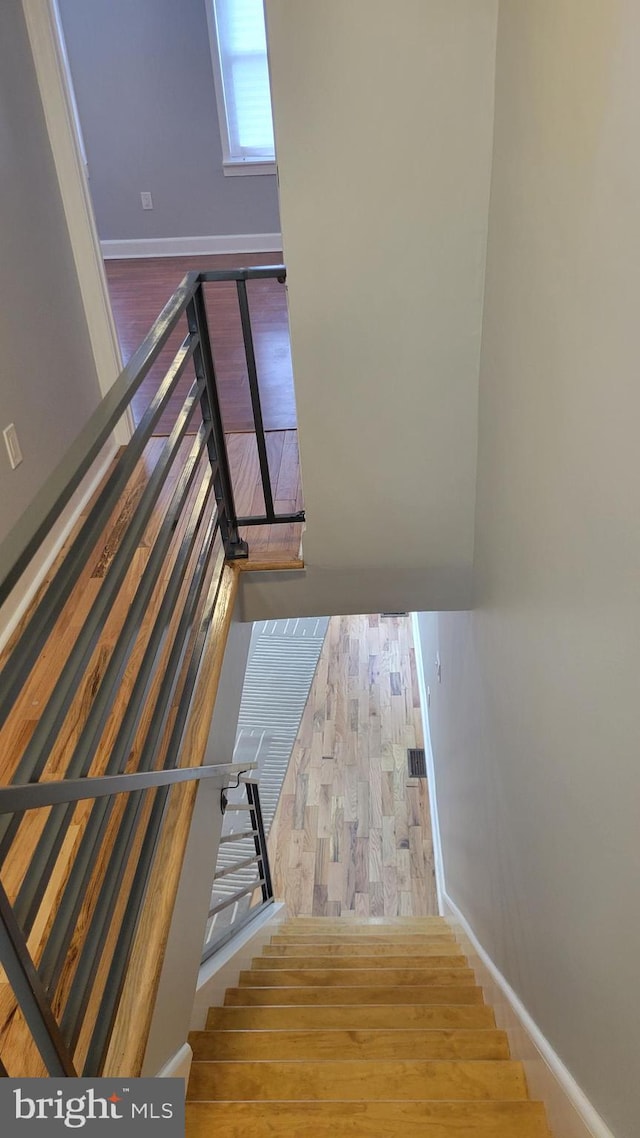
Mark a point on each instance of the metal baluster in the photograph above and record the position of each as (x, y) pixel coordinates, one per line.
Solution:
(235, 547)
(252, 373)
(264, 870)
(30, 994)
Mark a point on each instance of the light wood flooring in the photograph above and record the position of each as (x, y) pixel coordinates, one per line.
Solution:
(352, 831)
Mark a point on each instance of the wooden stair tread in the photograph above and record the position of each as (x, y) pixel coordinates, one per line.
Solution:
(384, 932)
(363, 938)
(364, 1028)
(367, 1119)
(347, 921)
(355, 994)
(422, 951)
(389, 930)
(357, 1079)
(383, 1043)
(340, 963)
(390, 977)
(350, 1017)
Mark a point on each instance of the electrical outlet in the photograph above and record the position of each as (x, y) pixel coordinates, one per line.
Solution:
(146, 199)
(12, 445)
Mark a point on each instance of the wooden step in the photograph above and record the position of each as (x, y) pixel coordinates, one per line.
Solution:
(388, 931)
(348, 929)
(368, 1044)
(363, 938)
(355, 1079)
(350, 1018)
(363, 1028)
(355, 921)
(366, 1120)
(339, 963)
(388, 977)
(307, 994)
(406, 951)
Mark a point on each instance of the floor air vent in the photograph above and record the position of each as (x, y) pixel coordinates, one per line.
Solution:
(417, 762)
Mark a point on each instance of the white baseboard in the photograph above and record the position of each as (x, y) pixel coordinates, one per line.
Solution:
(193, 246)
(223, 970)
(23, 593)
(178, 1066)
(569, 1111)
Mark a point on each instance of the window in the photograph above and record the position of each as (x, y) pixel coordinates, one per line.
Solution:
(241, 73)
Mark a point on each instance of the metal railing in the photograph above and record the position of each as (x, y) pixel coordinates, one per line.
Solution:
(120, 694)
(242, 880)
(24, 540)
(55, 1031)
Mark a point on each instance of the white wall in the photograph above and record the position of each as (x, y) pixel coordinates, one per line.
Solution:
(180, 968)
(383, 124)
(536, 724)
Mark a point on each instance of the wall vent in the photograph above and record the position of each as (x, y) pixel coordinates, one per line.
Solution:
(417, 762)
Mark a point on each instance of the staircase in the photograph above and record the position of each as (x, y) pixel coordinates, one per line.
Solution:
(358, 1027)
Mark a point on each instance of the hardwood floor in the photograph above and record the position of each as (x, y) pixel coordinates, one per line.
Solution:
(139, 290)
(268, 545)
(352, 831)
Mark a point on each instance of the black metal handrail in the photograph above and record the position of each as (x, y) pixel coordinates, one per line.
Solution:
(184, 513)
(26, 537)
(32, 994)
(215, 935)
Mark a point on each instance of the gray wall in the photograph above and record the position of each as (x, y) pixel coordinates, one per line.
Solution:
(48, 382)
(536, 728)
(143, 80)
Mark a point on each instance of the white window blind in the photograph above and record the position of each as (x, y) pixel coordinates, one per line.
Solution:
(244, 79)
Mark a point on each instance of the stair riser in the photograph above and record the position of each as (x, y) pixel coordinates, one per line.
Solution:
(381, 939)
(249, 996)
(404, 951)
(351, 1018)
(355, 1080)
(369, 977)
(366, 922)
(388, 933)
(360, 933)
(342, 962)
(366, 1120)
(390, 1044)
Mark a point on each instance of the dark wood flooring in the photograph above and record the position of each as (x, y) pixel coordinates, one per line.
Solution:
(139, 290)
